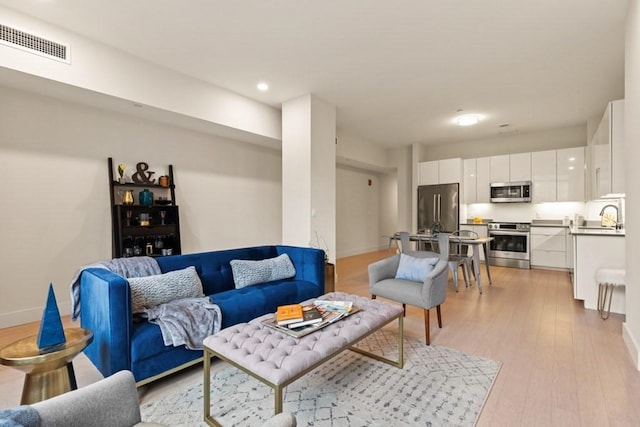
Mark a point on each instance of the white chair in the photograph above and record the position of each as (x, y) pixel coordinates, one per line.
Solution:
(404, 241)
(459, 256)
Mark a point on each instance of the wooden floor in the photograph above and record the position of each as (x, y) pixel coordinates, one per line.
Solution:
(561, 364)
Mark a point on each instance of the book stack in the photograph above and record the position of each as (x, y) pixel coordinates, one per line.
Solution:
(288, 314)
(297, 320)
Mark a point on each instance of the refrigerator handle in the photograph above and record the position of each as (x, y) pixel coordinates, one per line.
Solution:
(435, 208)
(439, 207)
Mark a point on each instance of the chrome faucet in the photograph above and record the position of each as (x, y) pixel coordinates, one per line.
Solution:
(602, 213)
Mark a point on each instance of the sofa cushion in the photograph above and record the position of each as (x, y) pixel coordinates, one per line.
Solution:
(249, 272)
(415, 269)
(151, 291)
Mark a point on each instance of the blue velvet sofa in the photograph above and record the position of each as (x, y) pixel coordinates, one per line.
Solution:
(121, 344)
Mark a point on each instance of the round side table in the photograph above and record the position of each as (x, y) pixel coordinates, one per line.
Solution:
(48, 374)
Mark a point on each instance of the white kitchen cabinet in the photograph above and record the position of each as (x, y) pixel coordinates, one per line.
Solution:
(450, 171)
(570, 173)
(440, 171)
(543, 176)
(428, 173)
(476, 180)
(591, 253)
(520, 167)
(549, 247)
(470, 181)
(483, 180)
(499, 168)
(510, 167)
(608, 152)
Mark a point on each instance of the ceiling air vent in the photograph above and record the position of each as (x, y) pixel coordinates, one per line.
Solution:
(33, 44)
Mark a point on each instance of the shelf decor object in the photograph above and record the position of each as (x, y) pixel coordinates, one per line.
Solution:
(121, 169)
(143, 174)
(51, 334)
(145, 218)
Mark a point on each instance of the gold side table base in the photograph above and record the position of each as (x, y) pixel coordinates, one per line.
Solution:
(43, 385)
(46, 374)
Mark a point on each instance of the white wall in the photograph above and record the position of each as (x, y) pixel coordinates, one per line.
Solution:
(55, 198)
(103, 70)
(358, 212)
(631, 328)
(509, 143)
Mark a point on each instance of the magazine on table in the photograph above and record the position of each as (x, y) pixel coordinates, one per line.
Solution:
(330, 314)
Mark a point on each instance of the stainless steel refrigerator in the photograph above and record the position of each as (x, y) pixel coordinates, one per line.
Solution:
(438, 208)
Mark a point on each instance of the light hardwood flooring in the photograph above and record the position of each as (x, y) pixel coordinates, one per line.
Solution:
(561, 364)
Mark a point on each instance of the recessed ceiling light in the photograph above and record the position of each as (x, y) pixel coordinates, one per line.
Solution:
(467, 119)
(262, 86)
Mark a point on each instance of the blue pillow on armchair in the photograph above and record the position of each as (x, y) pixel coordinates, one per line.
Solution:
(415, 269)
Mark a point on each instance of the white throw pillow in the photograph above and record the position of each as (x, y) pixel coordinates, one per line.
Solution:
(151, 291)
(247, 272)
(415, 269)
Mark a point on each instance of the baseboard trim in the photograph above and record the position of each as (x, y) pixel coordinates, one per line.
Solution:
(632, 345)
(360, 251)
(30, 315)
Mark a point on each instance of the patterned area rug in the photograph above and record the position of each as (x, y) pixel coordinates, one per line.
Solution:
(438, 386)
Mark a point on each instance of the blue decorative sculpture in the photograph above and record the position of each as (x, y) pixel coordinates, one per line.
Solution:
(51, 335)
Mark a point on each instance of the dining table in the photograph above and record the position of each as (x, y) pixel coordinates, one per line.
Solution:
(474, 243)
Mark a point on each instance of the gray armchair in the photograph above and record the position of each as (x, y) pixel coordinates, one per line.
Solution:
(429, 293)
(110, 402)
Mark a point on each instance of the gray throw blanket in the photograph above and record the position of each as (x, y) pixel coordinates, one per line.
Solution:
(186, 321)
(24, 416)
(126, 267)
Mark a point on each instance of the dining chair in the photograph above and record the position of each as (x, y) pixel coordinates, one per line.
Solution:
(404, 241)
(393, 278)
(459, 256)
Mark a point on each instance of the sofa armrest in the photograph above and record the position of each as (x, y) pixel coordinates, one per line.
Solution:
(309, 264)
(105, 309)
(112, 401)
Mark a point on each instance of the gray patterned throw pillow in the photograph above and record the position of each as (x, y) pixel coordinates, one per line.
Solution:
(151, 291)
(247, 272)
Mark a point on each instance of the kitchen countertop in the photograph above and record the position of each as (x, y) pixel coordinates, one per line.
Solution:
(596, 231)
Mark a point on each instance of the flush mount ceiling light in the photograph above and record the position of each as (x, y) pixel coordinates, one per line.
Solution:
(467, 119)
(262, 86)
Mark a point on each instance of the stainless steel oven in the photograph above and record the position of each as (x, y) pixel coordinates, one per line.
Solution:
(510, 244)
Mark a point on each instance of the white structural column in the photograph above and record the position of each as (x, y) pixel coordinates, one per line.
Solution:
(309, 174)
(631, 327)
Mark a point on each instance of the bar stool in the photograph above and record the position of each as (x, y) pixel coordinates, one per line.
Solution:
(608, 279)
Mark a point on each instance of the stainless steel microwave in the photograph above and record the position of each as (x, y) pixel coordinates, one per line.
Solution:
(511, 192)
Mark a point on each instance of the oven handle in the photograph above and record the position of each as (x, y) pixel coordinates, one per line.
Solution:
(508, 233)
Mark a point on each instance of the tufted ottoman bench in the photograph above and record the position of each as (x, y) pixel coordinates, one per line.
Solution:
(278, 359)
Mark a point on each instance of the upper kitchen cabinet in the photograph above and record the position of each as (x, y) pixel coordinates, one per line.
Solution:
(570, 173)
(608, 152)
(470, 180)
(428, 173)
(440, 172)
(511, 167)
(476, 180)
(520, 167)
(499, 168)
(543, 173)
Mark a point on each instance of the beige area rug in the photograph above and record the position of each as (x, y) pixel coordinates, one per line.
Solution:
(438, 386)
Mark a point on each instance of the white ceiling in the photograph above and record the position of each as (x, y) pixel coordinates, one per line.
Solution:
(397, 70)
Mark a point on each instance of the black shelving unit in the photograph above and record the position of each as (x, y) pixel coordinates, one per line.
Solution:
(144, 230)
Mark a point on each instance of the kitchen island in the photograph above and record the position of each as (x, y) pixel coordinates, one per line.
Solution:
(594, 248)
